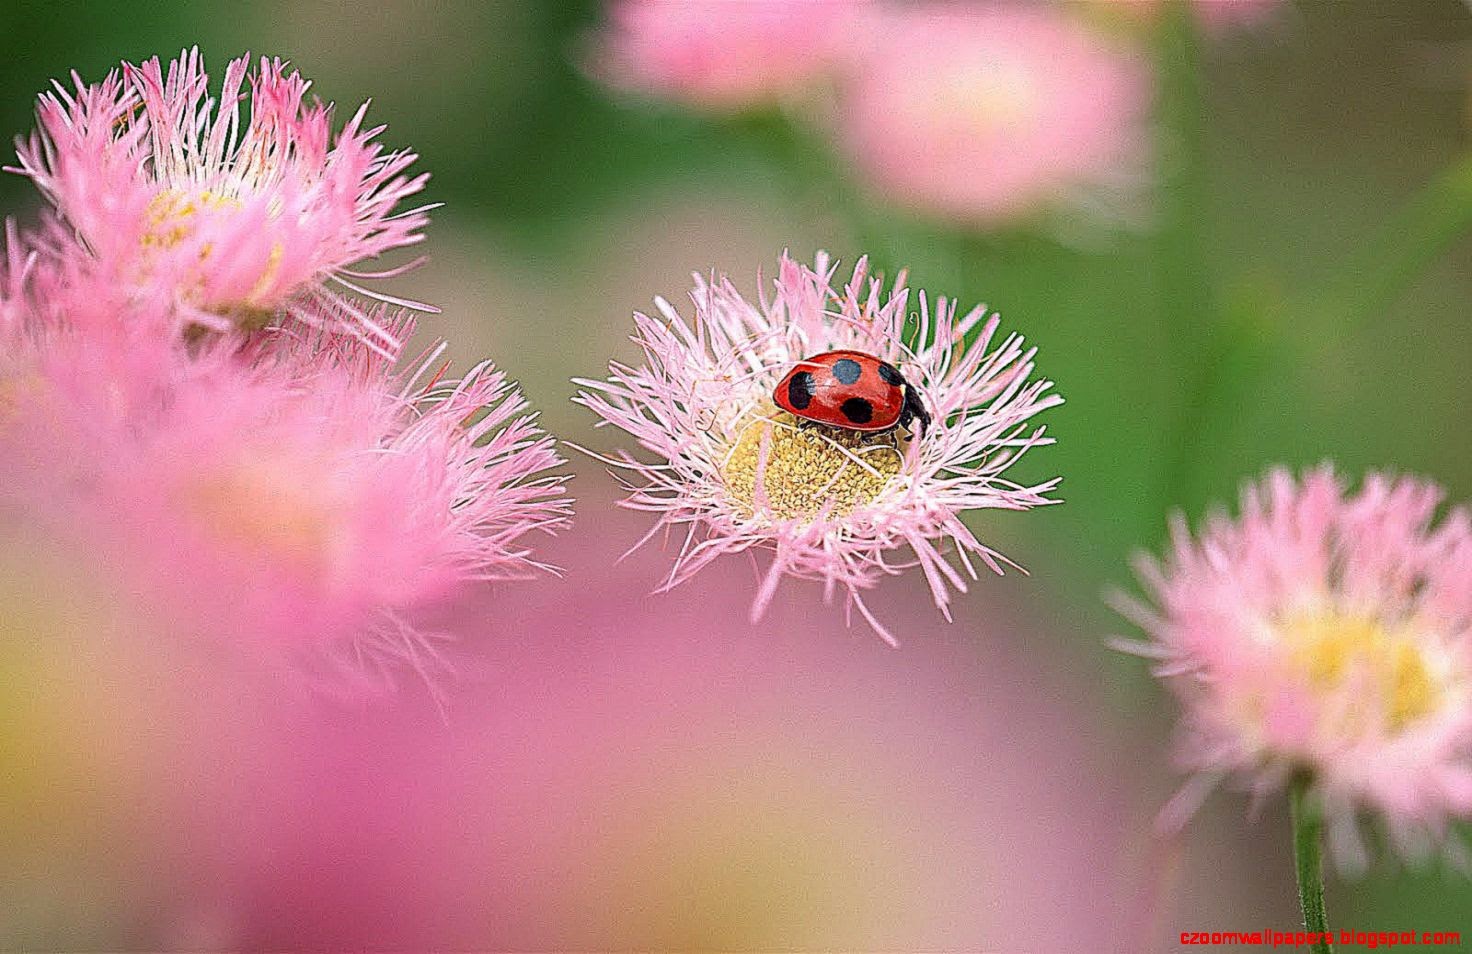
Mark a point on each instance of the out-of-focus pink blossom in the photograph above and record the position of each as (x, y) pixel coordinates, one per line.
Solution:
(292, 495)
(987, 114)
(721, 55)
(244, 219)
(623, 773)
(1324, 632)
(322, 507)
(727, 471)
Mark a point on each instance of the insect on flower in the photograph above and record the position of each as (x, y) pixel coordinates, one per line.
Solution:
(850, 390)
(780, 426)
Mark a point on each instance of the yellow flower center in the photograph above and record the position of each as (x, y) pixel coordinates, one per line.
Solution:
(271, 508)
(171, 214)
(171, 220)
(792, 469)
(989, 97)
(1389, 667)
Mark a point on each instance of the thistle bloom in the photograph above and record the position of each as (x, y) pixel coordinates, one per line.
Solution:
(319, 502)
(292, 496)
(1324, 633)
(737, 474)
(987, 115)
(725, 56)
(244, 221)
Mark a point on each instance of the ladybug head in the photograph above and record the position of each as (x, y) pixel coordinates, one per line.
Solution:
(914, 410)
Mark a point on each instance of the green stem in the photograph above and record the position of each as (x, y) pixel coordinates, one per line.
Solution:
(1397, 254)
(1308, 836)
(1185, 283)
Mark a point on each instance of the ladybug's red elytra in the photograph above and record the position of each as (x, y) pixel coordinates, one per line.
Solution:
(850, 390)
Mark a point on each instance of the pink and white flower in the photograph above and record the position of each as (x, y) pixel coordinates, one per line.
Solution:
(1329, 633)
(245, 219)
(292, 495)
(726, 56)
(735, 474)
(316, 504)
(991, 114)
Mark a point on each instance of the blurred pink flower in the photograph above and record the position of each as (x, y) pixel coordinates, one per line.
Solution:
(244, 221)
(989, 114)
(737, 474)
(319, 503)
(291, 494)
(1324, 632)
(720, 55)
(74, 381)
(629, 774)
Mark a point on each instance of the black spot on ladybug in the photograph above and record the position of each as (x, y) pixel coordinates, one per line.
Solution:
(890, 374)
(847, 370)
(858, 410)
(800, 390)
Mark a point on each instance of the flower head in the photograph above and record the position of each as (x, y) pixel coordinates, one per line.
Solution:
(723, 462)
(244, 219)
(1326, 633)
(990, 114)
(320, 501)
(725, 56)
(291, 495)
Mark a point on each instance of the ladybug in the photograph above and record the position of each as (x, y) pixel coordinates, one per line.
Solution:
(850, 390)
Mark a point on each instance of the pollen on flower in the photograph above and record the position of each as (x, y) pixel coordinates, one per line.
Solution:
(793, 469)
(173, 216)
(1338, 651)
(170, 216)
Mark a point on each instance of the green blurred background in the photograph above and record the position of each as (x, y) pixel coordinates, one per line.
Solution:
(567, 208)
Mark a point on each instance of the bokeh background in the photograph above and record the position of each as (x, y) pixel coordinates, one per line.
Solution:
(608, 769)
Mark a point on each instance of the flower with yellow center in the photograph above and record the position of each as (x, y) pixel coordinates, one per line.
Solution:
(1324, 635)
(796, 470)
(829, 504)
(244, 207)
(1390, 671)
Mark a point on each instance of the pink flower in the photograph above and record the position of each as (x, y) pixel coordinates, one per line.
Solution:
(73, 379)
(1324, 632)
(244, 220)
(316, 505)
(725, 56)
(290, 496)
(990, 114)
(736, 474)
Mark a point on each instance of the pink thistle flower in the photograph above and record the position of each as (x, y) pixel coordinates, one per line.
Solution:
(739, 475)
(992, 114)
(73, 379)
(1326, 633)
(319, 505)
(290, 495)
(246, 222)
(725, 56)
